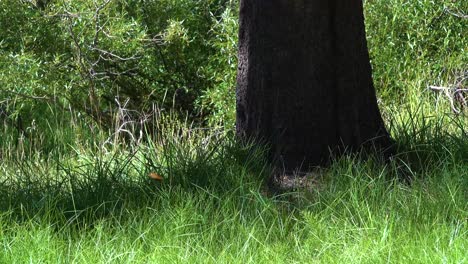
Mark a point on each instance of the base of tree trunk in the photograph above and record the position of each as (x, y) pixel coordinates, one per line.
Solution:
(304, 83)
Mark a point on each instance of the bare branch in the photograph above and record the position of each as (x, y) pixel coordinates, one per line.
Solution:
(97, 18)
(438, 88)
(43, 98)
(105, 52)
(128, 122)
(454, 95)
(457, 14)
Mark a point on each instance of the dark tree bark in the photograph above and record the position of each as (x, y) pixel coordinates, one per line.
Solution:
(304, 83)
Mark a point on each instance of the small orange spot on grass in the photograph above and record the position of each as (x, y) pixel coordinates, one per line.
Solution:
(155, 176)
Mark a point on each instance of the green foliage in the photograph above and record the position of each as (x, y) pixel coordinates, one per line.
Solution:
(219, 100)
(85, 55)
(414, 45)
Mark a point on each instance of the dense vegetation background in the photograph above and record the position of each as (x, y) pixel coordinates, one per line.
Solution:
(80, 57)
(95, 94)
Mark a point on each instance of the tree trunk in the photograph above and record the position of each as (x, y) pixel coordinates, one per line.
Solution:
(304, 83)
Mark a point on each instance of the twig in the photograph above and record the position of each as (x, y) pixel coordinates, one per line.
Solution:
(105, 52)
(97, 16)
(453, 94)
(460, 15)
(126, 124)
(44, 98)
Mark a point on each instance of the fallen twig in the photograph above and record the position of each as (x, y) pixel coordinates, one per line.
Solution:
(460, 15)
(455, 95)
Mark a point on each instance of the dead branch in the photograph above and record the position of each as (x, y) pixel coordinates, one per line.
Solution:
(128, 122)
(33, 97)
(455, 96)
(105, 52)
(456, 14)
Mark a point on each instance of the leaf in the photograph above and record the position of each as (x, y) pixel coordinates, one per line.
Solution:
(155, 176)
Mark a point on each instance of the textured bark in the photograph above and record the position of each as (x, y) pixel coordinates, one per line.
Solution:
(304, 83)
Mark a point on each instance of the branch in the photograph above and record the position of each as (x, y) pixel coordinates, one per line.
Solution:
(43, 98)
(105, 52)
(98, 26)
(460, 15)
(454, 95)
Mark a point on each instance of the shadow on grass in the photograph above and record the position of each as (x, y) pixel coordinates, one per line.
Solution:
(429, 143)
(89, 187)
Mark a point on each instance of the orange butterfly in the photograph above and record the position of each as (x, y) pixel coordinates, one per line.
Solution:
(155, 176)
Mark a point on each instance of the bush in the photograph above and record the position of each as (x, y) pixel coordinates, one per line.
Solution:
(84, 55)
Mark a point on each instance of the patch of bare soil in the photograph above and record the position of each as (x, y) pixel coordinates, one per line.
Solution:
(294, 181)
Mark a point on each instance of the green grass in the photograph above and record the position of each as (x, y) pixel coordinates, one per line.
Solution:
(100, 206)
